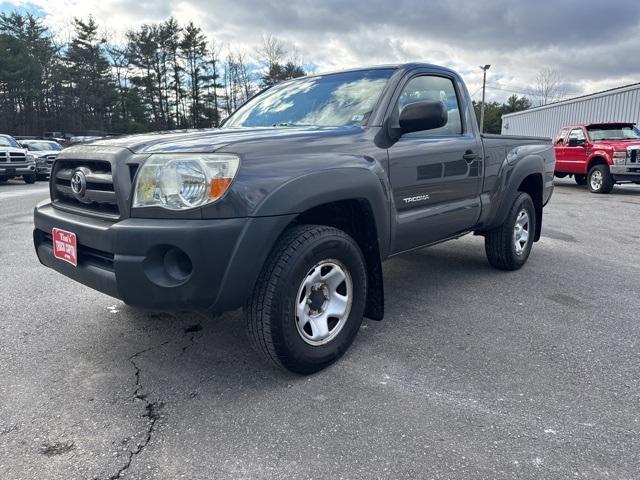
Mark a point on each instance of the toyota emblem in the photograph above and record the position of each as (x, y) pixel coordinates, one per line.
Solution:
(79, 184)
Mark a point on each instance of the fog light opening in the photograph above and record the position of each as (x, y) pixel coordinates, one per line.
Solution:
(177, 264)
(167, 266)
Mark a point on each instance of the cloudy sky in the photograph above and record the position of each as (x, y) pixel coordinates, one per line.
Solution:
(593, 45)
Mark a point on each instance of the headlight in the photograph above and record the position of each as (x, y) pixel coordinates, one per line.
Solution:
(619, 158)
(183, 181)
(30, 158)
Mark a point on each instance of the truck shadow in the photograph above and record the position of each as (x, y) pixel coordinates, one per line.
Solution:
(625, 189)
(195, 355)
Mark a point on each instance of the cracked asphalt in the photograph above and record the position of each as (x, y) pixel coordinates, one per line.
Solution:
(474, 373)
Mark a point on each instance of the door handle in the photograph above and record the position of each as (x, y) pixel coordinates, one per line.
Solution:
(470, 156)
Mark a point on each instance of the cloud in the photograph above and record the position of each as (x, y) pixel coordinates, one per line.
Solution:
(592, 45)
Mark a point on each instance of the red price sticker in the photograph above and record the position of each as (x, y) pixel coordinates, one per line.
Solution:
(65, 246)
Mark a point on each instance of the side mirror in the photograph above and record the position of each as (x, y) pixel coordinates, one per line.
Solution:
(425, 115)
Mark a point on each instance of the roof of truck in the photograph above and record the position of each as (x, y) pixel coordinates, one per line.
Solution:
(598, 124)
(387, 66)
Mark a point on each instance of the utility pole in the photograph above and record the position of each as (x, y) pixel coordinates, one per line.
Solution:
(484, 87)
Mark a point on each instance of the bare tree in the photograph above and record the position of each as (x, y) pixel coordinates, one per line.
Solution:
(271, 51)
(548, 87)
(215, 63)
(244, 77)
(277, 62)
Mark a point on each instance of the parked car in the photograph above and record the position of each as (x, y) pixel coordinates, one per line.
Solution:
(599, 154)
(290, 208)
(44, 152)
(15, 161)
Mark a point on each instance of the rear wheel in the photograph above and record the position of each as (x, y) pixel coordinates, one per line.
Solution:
(29, 178)
(600, 179)
(308, 302)
(509, 245)
(580, 179)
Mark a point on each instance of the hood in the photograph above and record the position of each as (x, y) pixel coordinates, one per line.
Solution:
(4, 148)
(211, 140)
(45, 153)
(616, 144)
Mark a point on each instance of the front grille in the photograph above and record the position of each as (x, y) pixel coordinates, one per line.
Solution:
(633, 155)
(99, 197)
(13, 157)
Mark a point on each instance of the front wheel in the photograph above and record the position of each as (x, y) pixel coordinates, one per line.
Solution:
(600, 179)
(308, 303)
(29, 179)
(580, 179)
(509, 245)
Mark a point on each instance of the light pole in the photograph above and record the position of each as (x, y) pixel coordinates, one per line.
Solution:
(484, 86)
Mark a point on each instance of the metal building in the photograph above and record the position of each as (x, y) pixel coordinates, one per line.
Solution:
(620, 104)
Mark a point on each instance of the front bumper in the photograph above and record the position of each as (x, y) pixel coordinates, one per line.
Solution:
(162, 264)
(17, 169)
(43, 168)
(625, 173)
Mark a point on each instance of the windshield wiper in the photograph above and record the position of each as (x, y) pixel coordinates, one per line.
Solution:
(291, 124)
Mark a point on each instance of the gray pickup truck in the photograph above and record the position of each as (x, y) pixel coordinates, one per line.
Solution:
(291, 207)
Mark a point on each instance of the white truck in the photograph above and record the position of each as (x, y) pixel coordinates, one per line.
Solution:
(15, 161)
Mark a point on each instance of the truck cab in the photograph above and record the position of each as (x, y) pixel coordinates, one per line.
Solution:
(599, 154)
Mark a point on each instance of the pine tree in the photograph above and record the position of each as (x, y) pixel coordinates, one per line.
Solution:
(89, 75)
(194, 49)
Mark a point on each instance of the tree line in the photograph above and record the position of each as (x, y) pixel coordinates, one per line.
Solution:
(163, 76)
(493, 111)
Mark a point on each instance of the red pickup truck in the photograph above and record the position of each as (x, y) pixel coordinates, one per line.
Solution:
(599, 154)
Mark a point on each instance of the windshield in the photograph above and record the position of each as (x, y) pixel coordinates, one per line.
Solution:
(43, 146)
(614, 132)
(8, 142)
(326, 101)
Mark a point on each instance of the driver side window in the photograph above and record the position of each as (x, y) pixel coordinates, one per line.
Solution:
(578, 135)
(433, 88)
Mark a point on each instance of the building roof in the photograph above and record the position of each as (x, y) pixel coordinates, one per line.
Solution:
(603, 93)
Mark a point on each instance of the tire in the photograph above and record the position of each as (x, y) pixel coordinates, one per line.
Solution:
(500, 243)
(600, 180)
(42, 178)
(29, 179)
(274, 324)
(580, 179)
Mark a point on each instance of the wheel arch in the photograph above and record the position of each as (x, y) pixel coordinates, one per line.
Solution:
(526, 175)
(356, 202)
(533, 185)
(356, 218)
(597, 159)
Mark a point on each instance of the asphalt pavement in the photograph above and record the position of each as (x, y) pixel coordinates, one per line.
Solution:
(474, 373)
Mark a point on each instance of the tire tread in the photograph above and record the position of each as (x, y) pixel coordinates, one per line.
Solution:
(258, 308)
(498, 240)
